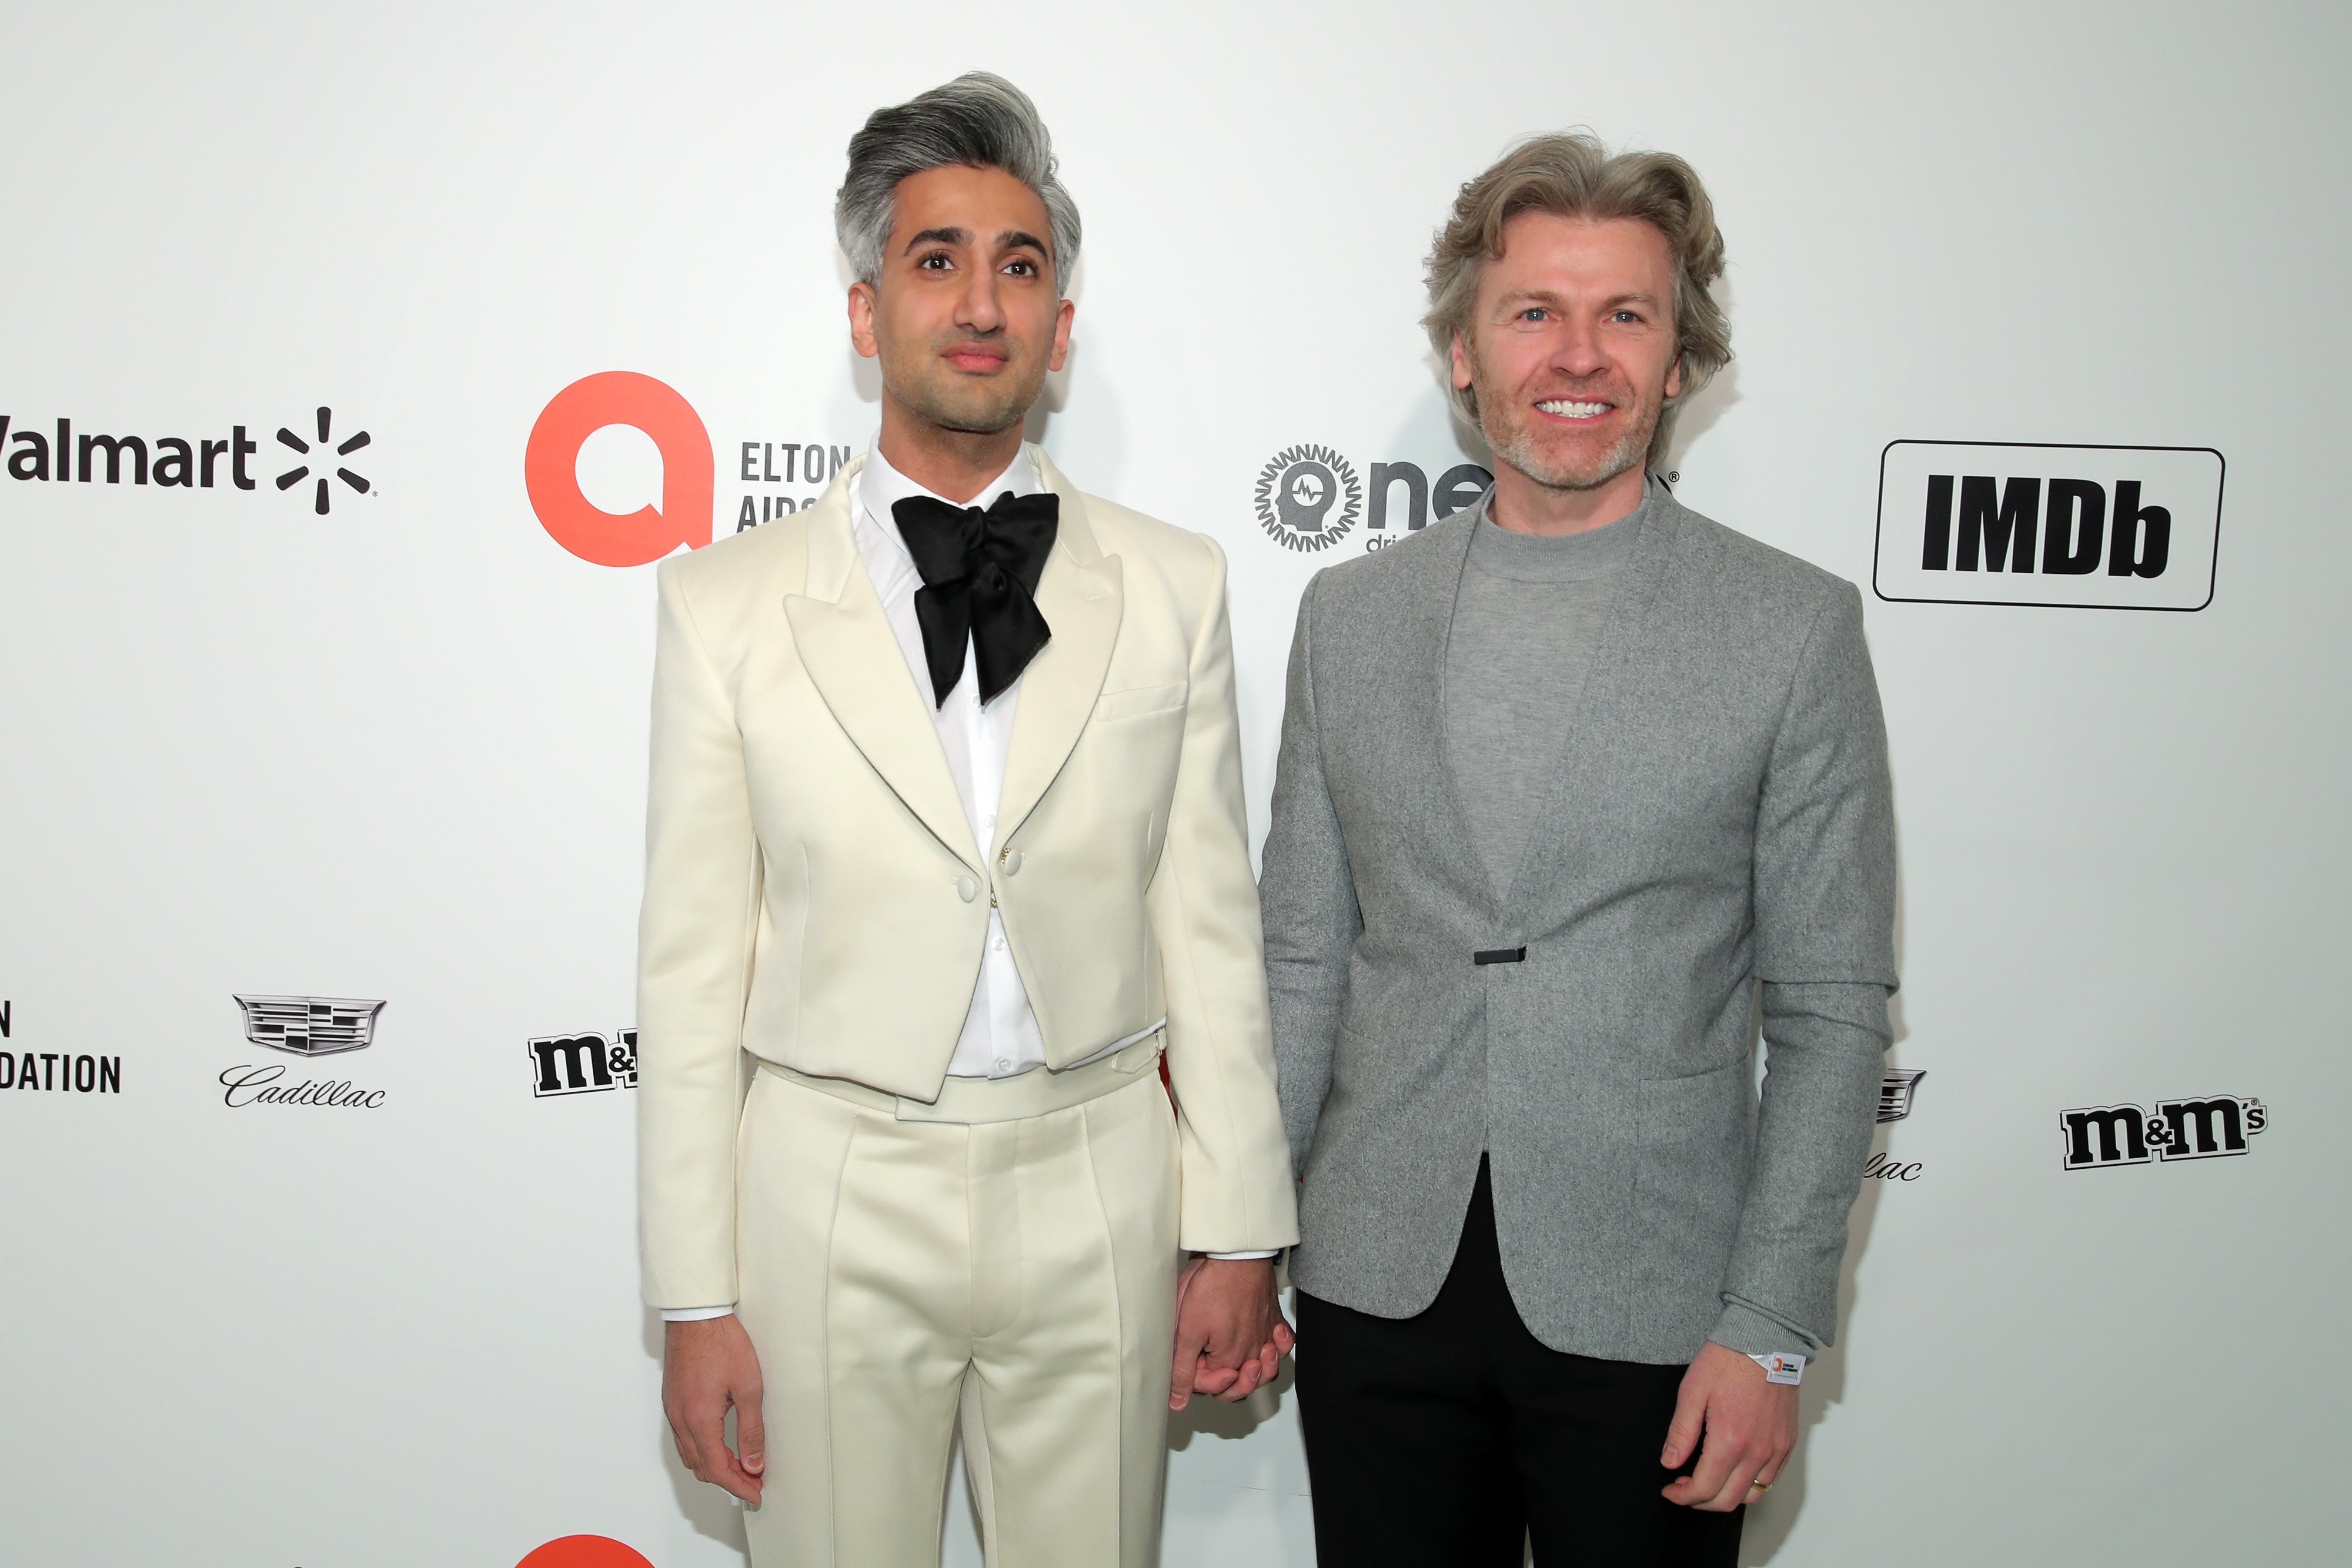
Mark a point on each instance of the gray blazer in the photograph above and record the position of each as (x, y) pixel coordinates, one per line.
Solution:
(1720, 821)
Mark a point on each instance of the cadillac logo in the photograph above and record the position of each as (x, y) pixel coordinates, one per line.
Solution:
(1894, 1091)
(310, 1026)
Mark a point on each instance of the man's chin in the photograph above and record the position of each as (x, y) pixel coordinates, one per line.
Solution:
(963, 418)
(1566, 471)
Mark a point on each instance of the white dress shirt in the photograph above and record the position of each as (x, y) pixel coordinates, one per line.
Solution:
(1000, 1037)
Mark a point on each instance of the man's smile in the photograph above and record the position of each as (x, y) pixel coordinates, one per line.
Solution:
(1570, 408)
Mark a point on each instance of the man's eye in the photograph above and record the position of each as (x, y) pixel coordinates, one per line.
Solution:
(1633, 316)
(1535, 313)
(1026, 268)
(935, 262)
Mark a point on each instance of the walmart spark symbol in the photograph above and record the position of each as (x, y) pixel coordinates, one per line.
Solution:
(288, 479)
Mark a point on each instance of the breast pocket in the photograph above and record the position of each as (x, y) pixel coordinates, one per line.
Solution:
(1141, 702)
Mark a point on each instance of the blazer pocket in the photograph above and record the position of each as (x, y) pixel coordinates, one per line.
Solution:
(1139, 701)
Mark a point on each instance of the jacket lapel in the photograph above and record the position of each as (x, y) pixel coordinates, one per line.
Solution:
(1426, 629)
(1560, 825)
(1080, 595)
(850, 653)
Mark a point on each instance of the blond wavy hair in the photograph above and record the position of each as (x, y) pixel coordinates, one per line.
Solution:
(1574, 174)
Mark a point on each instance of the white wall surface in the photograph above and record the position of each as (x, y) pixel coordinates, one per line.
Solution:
(396, 752)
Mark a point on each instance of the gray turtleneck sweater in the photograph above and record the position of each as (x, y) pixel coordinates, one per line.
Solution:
(1527, 620)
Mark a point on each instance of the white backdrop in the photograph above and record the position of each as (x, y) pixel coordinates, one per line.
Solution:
(394, 752)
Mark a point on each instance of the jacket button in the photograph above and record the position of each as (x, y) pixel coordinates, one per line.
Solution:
(967, 889)
(1010, 861)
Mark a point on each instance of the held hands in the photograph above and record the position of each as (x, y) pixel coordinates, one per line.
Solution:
(1750, 1426)
(1230, 1333)
(708, 1365)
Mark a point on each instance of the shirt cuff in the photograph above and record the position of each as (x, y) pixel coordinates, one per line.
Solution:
(694, 1314)
(1241, 1257)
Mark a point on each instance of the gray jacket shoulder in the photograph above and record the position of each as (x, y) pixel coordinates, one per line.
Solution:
(1771, 578)
(1401, 570)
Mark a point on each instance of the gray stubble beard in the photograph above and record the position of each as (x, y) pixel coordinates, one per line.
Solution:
(920, 400)
(1520, 449)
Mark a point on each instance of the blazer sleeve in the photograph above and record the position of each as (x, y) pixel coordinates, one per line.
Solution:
(1825, 891)
(696, 938)
(1237, 1193)
(1308, 901)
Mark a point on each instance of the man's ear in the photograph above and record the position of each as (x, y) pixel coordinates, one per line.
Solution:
(861, 320)
(1460, 354)
(1062, 319)
(1674, 379)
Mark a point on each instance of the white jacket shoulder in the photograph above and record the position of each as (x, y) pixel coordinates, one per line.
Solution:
(1192, 564)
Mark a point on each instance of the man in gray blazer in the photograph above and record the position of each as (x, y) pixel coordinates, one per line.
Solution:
(1572, 786)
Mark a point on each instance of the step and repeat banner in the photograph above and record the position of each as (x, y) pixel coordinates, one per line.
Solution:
(356, 364)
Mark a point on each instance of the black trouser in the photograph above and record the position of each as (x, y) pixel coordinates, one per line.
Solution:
(1442, 1440)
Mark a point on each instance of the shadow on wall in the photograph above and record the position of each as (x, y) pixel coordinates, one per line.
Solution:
(1699, 416)
(1711, 402)
(709, 1508)
(1770, 1522)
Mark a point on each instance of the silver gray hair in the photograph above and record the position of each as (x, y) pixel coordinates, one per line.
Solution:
(979, 122)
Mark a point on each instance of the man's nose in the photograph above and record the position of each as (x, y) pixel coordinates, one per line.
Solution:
(1577, 350)
(979, 308)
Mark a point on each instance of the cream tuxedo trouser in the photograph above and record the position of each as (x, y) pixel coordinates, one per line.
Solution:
(894, 1270)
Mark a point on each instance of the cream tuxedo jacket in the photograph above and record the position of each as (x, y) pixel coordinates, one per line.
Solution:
(813, 894)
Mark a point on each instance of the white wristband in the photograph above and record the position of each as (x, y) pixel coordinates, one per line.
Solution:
(1785, 1367)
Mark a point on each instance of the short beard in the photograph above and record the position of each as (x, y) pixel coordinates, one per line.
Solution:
(1516, 442)
(988, 419)
(1005, 405)
(1519, 448)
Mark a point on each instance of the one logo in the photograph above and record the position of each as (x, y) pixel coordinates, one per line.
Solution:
(550, 470)
(1308, 497)
(310, 1026)
(1895, 1090)
(2211, 1127)
(2108, 528)
(582, 1063)
(319, 459)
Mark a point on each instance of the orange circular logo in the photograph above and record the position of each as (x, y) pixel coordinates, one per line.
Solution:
(550, 470)
(586, 1551)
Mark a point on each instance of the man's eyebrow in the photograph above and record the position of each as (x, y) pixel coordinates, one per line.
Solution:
(1548, 296)
(1014, 239)
(940, 236)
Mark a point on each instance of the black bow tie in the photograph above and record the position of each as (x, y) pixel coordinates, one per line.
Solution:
(980, 572)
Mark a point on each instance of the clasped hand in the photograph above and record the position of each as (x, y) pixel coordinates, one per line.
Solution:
(1230, 1335)
(1229, 1340)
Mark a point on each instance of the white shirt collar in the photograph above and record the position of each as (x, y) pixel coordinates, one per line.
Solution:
(880, 487)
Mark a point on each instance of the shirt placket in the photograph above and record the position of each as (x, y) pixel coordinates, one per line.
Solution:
(1002, 982)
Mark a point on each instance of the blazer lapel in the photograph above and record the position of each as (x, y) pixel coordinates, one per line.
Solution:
(1426, 629)
(1080, 595)
(850, 653)
(1558, 829)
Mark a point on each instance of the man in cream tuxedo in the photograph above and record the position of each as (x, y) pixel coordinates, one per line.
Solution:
(946, 833)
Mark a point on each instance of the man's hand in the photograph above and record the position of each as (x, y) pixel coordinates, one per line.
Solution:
(1750, 1428)
(1230, 1333)
(708, 1365)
